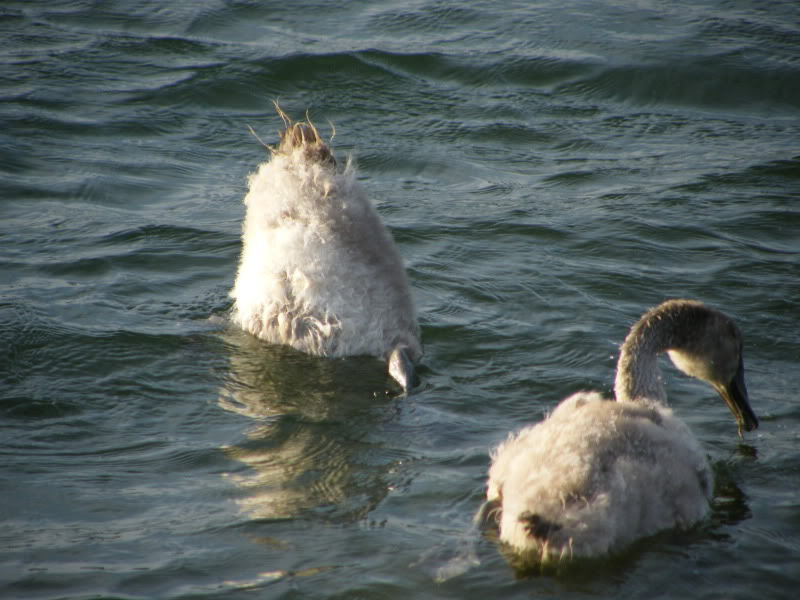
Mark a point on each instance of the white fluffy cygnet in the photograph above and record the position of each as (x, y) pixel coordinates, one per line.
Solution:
(319, 271)
(598, 474)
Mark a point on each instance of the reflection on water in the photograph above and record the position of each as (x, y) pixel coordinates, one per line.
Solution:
(310, 451)
(729, 505)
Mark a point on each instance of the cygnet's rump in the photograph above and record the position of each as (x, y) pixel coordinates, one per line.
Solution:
(319, 271)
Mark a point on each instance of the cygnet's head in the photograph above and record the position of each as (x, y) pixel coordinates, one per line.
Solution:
(711, 350)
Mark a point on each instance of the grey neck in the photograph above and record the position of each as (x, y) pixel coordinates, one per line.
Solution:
(638, 375)
(671, 325)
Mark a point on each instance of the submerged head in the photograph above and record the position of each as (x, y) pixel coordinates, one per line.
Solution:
(707, 344)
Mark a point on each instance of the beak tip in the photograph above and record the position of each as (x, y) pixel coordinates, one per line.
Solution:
(747, 423)
(735, 395)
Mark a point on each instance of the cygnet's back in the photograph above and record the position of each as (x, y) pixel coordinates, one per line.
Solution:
(595, 476)
(319, 271)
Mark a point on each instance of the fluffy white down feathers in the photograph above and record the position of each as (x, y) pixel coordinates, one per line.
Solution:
(319, 271)
(595, 476)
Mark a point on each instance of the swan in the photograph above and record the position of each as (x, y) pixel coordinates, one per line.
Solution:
(318, 270)
(596, 475)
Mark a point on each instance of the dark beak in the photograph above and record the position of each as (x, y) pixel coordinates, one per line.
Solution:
(735, 396)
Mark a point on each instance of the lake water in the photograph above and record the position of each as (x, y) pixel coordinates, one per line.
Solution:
(549, 170)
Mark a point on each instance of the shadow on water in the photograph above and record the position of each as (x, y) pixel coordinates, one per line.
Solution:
(310, 452)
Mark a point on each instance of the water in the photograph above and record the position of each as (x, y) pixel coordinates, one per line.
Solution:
(549, 171)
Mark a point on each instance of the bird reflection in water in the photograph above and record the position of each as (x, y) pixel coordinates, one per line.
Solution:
(311, 451)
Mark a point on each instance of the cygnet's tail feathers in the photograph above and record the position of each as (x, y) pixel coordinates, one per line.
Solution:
(304, 135)
(401, 367)
(538, 527)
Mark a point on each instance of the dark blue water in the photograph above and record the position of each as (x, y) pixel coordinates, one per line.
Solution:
(549, 171)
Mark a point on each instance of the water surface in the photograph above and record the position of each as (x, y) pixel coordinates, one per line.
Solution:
(549, 171)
